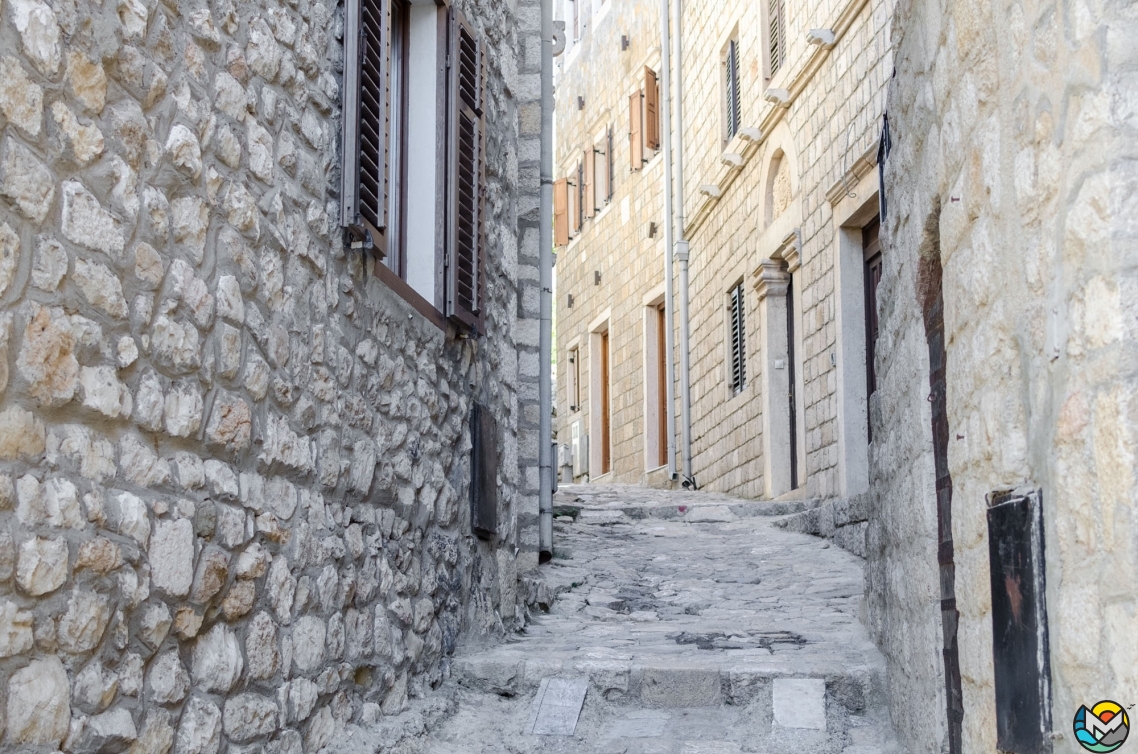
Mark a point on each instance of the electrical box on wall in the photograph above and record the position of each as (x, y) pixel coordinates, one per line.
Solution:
(1019, 621)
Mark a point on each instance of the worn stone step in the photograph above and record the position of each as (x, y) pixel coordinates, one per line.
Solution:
(662, 683)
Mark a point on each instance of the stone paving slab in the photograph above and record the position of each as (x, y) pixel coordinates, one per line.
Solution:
(678, 504)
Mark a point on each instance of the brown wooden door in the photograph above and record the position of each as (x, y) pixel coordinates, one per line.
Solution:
(662, 382)
(606, 411)
(872, 248)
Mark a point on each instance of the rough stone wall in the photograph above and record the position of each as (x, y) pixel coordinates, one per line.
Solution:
(616, 241)
(233, 498)
(831, 123)
(1014, 159)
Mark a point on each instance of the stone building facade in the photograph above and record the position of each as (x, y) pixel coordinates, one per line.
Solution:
(1008, 325)
(780, 179)
(235, 460)
(610, 275)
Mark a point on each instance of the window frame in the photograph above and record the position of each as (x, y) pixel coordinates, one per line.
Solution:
(371, 237)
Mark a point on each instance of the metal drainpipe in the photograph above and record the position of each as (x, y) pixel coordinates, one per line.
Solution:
(682, 250)
(545, 351)
(669, 306)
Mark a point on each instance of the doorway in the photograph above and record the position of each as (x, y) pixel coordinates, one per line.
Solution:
(793, 378)
(871, 252)
(605, 407)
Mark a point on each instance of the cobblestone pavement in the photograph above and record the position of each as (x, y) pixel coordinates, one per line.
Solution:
(700, 627)
(687, 613)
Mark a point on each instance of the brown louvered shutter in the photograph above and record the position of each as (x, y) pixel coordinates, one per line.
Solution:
(738, 341)
(610, 166)
(576, 212)
(561, 212)
(467, 168)
(364, 114)
(635, 130)
(777, 31)
(651, 110)
(590, 184)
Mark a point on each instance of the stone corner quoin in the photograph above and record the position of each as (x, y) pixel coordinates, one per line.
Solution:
(234, 465)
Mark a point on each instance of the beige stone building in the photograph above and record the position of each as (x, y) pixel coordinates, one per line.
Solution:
(782, 113)
(609, 207)
(1007, 423)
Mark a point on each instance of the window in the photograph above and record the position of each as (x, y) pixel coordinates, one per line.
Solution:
(776, 34)
(412, 182)
(737, 318)
(731, 91)
(577, 216)
(644, 120)
(575, 18)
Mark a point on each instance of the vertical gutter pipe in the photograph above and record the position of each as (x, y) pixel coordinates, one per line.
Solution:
(682, 251)
(545, 351)
(669, 292)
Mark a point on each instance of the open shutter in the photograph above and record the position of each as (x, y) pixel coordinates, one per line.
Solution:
(561, 212)
(590, 183)
(635, 130)
(467, 167)
(777, 35)
(651, 110)
(576, 212)
(364, 125)
(610, 166)
(733, 104)
(738, 341)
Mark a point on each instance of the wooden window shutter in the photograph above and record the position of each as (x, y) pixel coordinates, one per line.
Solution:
(651, 110)
(590, 183)
(466, 187)
(635, 130)
(561, 212)
(363, 209)
(738, 341)
(610, 166)
(483, 472)
(733, 103)
(777, 34)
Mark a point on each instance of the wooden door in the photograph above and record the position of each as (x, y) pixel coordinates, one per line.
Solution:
(871, 246)
(606, 410)
(662, 382)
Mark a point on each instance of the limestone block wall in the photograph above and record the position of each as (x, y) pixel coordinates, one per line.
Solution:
(233, 465)
(1014, 161)
(828, 126)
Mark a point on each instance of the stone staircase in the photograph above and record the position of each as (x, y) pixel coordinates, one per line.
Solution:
(692, 623)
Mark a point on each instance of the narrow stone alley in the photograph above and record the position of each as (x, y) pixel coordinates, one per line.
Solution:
(699, 626)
